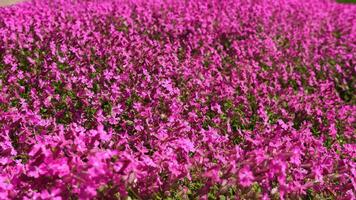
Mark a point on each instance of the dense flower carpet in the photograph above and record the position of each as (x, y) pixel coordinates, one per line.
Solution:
(203, 99)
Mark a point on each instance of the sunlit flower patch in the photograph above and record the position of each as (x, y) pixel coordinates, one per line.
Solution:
(204, 99)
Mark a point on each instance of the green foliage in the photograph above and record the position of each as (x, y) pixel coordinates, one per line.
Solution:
(107, 107)
(346, 1)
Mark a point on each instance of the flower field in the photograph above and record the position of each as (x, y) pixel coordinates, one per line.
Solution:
(178, 99)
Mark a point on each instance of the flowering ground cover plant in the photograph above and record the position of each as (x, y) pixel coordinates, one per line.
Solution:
(204, 99)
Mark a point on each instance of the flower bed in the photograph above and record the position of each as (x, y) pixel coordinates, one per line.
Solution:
(177, 99)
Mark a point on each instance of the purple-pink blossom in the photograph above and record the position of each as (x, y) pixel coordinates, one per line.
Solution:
(152, 99)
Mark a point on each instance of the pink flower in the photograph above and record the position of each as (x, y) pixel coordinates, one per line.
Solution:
(296, 156)
(103, 135)
(117, 110)
(333, 130)
(246, 177)
(283, 125)
(317, 170)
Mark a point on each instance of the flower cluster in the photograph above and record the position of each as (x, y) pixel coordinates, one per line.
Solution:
(150, 99)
